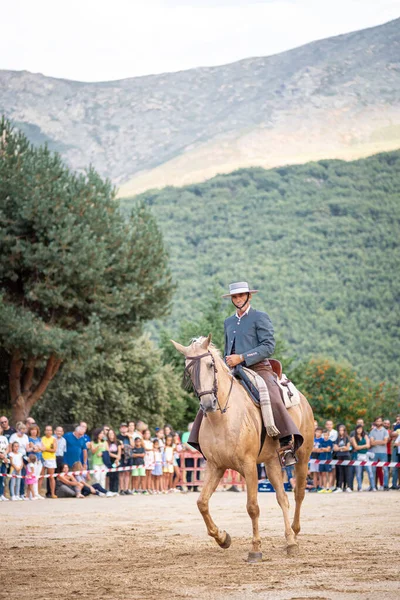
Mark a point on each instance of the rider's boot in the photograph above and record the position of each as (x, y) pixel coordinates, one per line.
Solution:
(286, 451)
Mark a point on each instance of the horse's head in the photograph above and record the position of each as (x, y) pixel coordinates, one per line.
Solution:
(200, 367)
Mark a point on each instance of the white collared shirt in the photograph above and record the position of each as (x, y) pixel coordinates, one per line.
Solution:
(245, 313)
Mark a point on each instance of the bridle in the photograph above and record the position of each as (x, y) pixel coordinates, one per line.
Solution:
(214, 389)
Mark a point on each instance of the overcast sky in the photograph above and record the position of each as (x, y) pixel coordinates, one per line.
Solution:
(98, 40)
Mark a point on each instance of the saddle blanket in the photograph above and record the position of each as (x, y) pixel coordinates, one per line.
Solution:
(289, 392)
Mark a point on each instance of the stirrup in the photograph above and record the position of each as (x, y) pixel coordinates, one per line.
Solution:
(287, 456)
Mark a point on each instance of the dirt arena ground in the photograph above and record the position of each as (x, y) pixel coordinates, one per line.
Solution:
(156, 548)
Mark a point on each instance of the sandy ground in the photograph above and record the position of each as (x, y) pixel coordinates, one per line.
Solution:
(156, 548)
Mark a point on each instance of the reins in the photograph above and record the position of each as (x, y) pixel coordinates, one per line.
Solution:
(214, 389)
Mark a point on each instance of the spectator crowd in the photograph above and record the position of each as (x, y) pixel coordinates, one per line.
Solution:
(154, 462)
(381, 442)
(55, 465)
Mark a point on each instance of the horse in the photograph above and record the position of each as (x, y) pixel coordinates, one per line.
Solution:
(230, 438)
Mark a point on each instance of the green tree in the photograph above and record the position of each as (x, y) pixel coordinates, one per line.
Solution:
(383, 399)
(75, 275)
(130, 383)
(336, 392)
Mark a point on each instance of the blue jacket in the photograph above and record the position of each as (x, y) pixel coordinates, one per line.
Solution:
(252, 336)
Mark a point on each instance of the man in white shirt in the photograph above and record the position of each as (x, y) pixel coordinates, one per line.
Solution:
(332, 432)
(379, 437)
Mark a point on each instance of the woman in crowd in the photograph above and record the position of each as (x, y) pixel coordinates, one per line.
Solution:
(49, 457)
(23, 442)
(97, 447)
(16, 463)
(361, 445)
(114, 449)
(133, 433)
(67, 486)
(88, 488)
(167, 431)
(36, 447)
(3, 463)
(341, 449)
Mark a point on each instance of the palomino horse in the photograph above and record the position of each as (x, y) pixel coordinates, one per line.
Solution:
(230, 436)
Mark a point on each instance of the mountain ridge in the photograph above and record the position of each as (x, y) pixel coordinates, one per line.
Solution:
(241, 60)
(328, 98)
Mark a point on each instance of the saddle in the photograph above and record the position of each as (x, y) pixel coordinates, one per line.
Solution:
(289, 393)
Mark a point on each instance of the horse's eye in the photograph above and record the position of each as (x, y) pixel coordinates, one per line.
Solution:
(210, 365)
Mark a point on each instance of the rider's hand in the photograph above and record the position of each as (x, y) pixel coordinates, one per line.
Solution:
(233, 360)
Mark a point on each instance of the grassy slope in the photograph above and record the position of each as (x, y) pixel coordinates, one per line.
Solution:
(321, 241)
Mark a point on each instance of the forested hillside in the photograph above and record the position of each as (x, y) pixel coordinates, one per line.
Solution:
(321, 241)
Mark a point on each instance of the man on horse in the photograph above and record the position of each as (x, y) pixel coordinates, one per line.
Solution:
(249, 341)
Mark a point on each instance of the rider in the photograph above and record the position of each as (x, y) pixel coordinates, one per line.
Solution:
(249, 341)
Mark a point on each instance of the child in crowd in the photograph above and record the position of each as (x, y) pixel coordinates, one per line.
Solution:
(16, 463)
(314, 469)
(31, 479)
(36, 447)
(147, 441)
(177, 461)
(49, 457)
(325, 453)
(158, 468)
(168, 463)
(23, 443)
(160, 438)
(139, 472)
(148, 465)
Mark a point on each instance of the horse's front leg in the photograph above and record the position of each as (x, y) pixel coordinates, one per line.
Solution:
(251, 476)
(301, 470)
(213, 476)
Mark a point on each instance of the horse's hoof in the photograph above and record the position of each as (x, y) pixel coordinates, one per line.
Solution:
(227, 542)
(254, 557)
(293, 550)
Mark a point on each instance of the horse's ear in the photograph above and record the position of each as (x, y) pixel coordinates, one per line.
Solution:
(182, 349)
(206, 342)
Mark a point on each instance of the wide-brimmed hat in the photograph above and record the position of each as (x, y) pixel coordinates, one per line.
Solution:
(240, 287)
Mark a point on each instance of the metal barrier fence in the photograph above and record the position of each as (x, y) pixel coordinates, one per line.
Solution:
(192, 467)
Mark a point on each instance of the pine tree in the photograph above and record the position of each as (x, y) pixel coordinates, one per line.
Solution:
(75, 275)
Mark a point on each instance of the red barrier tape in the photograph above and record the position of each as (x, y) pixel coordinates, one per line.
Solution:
(230, 477)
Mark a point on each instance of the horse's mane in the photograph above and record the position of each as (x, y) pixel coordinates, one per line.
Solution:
(213, 349)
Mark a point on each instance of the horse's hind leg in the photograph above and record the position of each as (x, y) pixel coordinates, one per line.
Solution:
(212, 478)
(274, 472)
(251, 476)
(301, 470)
